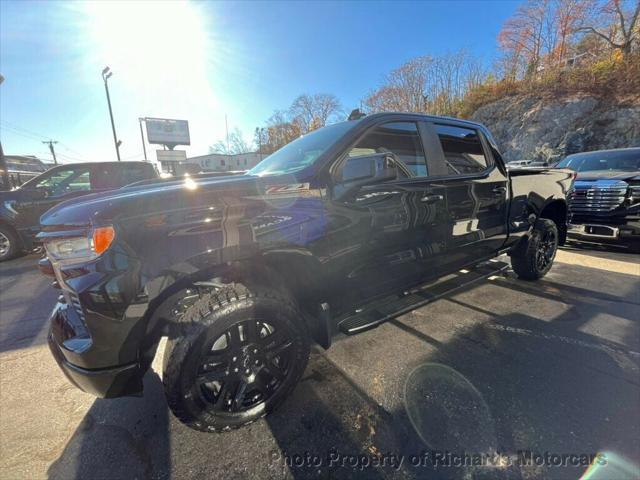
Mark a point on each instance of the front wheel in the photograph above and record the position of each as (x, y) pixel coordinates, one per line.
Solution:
(534, 255)
(10, 245)
(242, 352)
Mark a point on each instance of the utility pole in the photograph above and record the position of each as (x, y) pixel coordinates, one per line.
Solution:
(3, 162)
(144, 149)
(5, 174)
(53, 152)
(226, 126)
(106, 73)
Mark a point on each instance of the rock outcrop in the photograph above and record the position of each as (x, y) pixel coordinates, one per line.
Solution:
(534, 128)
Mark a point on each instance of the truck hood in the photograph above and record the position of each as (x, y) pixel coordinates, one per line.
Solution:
(607, 175)
(156, 198)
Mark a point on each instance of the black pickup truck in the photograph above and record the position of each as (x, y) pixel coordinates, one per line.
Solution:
(604, 202)
(242, 272)
(21, 208)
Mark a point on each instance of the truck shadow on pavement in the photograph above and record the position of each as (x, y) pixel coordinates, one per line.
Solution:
(507, 386)
(120, 438)
(26, 300)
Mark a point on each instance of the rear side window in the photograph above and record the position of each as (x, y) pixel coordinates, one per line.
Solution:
(462, 150)
(136, 173)
(109, 176)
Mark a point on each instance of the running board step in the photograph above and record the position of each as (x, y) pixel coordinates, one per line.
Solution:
(387, 308)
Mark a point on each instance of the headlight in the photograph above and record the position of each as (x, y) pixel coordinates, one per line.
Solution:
(634, 193)
(80, 248)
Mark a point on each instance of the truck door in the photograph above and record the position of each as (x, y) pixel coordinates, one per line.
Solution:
(55, 186)
(476, 190)
(388, 235)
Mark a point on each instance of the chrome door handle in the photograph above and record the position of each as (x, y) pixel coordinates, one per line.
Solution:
(431, 198)
(500, 190)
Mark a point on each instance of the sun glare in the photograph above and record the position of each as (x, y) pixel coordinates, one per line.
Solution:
(161, 45)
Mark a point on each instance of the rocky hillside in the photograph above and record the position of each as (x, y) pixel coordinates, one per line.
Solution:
(529, 127)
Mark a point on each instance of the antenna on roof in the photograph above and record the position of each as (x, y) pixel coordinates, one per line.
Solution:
(356, 114)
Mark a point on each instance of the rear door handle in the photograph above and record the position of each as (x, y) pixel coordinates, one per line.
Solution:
(500, 190)
(432, 198)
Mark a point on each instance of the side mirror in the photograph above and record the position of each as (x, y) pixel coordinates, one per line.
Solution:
(368, 170)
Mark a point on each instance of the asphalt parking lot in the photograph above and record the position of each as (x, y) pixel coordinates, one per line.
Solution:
(538, 375)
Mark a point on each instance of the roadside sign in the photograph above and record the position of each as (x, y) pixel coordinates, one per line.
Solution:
(163, 131)
(171, 155)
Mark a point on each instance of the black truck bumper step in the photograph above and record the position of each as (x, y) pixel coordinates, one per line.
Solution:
(380, 311)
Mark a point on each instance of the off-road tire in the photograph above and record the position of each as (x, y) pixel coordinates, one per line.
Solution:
(525, 259)
(212, 316)
(15, 245)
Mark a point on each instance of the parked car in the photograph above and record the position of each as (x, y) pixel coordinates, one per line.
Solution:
(329, 233)
(21, 208)
(528, 163)
(21, 168)
(604, 202)
(518, 163)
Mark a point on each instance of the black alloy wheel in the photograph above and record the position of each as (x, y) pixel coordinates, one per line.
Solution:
(546, 249)
(241, 352)
(243, 367)
(533, 257)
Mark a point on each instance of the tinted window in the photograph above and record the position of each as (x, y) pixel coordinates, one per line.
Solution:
(105, 177)
(110, 176)
(462, 150)
(400, 138)
(135, 173)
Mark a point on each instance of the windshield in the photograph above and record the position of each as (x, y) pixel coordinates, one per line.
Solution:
(624, 161)
(301, 152)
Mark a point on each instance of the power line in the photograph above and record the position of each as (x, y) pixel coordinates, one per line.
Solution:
(74, 159)
(23, 132)
(16, 127)
(137, 155)
(16, 132)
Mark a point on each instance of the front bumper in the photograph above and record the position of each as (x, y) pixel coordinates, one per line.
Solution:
(603, 232)
(116, 381)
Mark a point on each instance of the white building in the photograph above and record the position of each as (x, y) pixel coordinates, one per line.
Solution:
(218, 162)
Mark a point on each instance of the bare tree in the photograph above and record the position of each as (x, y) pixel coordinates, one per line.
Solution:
(523, 35)
(237, 144)
(622, 17)
(280, 130)
(433, 84)
(568, 15)
(314, 111)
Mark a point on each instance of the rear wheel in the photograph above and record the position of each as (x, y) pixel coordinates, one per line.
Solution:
(533, 257)
(10, 245)
(242, 352)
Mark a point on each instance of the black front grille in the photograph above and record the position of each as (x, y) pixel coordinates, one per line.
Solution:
(598, 197)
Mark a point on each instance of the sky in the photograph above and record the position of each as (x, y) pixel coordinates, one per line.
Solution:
(202, 61)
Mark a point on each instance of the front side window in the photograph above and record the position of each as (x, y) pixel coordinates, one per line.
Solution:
(462, 150)
(60, 182)
(399, 138)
